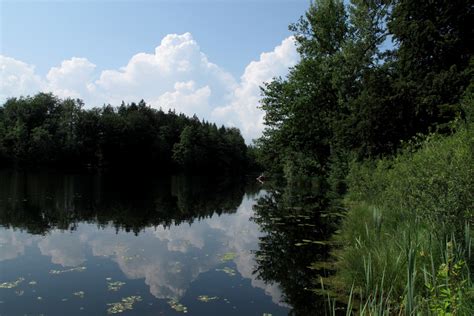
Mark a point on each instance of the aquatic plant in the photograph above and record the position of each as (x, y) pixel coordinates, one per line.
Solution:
(125, 304)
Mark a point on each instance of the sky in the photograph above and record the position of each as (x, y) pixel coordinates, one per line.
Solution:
(203, 57)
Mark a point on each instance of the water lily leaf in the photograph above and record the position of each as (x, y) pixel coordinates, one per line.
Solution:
(77, 269)
(11, 285)
(206, 299)
(174, 304)
(125, 304)
(79, 294)
(227, 270)
(114, 286)
(229, 256)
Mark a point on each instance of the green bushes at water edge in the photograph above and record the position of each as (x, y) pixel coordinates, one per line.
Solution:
(406, 240)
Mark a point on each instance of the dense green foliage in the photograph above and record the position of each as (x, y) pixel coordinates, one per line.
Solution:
(407, 235)
(354, 96)
(46, 130)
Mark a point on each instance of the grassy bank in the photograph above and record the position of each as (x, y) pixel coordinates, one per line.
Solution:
(407, 239)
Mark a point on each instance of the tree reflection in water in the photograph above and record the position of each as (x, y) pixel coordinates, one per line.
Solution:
(295, 224)
(41, 201)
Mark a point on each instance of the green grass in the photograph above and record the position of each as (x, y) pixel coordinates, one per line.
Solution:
(405, 244)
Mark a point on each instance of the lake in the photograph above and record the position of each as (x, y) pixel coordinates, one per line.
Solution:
(97, 244)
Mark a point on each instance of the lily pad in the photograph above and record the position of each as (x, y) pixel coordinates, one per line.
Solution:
(79, 294)
(228, 256)
(227, 270)
(125, 304)
(77, 269)
(177, 306)
(114, 286)
(11, 285)
(299, 244)
(206, 299)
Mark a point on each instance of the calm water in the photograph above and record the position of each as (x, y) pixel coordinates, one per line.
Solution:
(98, 244)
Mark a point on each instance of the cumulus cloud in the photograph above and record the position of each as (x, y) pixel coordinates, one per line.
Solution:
(13, 244)
(243, 110)
(17, 78)
(72, 78)
(191, 100)
(176, 75)
(64, 249)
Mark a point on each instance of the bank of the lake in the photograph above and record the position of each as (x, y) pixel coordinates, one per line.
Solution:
(405, 245)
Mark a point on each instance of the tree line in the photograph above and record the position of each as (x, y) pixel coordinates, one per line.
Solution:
(372, 74)
(46, 130)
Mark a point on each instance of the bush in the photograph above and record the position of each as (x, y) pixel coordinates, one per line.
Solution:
(406, 239)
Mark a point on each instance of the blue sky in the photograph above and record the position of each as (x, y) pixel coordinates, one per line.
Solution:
(230, 32)
(197, 57)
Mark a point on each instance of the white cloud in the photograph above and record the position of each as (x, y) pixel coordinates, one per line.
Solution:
(191, 100)
(64, 249)
(243, 110)
(72, 78)
(17, 78)
(177, 75)
(176, 72)
(13, 244)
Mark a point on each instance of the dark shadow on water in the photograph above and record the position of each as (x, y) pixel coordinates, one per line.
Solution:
(43, 200)
(297, 223)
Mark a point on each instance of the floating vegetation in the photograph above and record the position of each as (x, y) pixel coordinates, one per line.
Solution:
(174, 304)
(227, 270)
(299, 244)
(206, 299)
(129, 258)
(125, 304)
(77, 269)
(307, 242)
(64, 300)
(228, 256)
(39, 298)
(33, 282)
(114, 286)
(267, 314)
(79, 294)
(19, 292)
(11, 285)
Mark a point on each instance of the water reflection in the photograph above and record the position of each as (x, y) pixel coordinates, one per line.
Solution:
(183, 231)
(295, 223)
(39, 202)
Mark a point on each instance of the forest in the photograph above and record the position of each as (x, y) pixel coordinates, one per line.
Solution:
(45, 130)
(379, 109)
